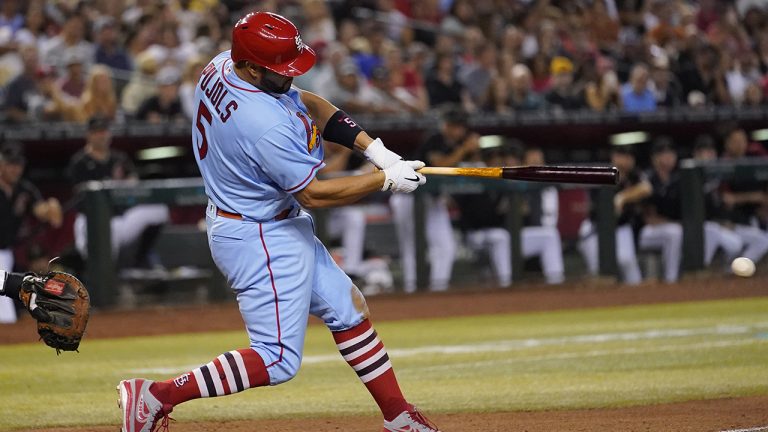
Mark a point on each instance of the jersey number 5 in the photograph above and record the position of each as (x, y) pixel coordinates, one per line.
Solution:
(202, 112)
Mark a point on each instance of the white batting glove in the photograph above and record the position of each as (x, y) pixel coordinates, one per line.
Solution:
(381, 156)
(402, 177)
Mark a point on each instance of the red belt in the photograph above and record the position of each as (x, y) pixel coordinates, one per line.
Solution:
(237, 216)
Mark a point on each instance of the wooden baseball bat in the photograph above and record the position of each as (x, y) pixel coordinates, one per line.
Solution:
(548, 174)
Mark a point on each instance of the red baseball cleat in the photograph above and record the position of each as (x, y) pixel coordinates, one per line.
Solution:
(141, 410)
(410, 421)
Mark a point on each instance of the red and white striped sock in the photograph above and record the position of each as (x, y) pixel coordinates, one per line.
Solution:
(363, 350)
(231, 372)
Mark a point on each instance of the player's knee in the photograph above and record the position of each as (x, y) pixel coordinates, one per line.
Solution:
(674, 232)
(285, 369)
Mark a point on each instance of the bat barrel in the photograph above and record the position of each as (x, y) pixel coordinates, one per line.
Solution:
(563, 174)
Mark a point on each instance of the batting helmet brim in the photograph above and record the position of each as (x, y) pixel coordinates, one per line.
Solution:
(298, 66)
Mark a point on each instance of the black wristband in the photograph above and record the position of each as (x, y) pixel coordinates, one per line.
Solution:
(341, 129)
(12, 285)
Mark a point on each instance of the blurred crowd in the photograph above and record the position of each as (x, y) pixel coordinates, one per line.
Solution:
(139, 59)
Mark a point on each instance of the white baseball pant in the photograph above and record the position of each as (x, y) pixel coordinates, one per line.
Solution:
(125, 228)
(667, 237)
(349, 223)
(626, 255)
(755, 241)
(7, 307)
(717, 236)
(440, 240)
(498, 244)
(544, 242)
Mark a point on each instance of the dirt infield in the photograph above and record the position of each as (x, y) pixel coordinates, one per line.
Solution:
(714, 415)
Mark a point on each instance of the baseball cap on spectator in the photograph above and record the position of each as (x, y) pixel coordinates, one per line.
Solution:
(103, 22)
(98, 123)
(12, 153)
(72, 56)
(168, 75)
(348, 68)
(560, 65)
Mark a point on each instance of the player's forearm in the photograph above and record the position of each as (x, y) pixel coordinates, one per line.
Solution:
(636, 193)
(321, 110)
(339, 191)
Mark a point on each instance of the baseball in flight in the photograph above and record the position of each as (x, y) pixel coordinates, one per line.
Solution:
(743, 267)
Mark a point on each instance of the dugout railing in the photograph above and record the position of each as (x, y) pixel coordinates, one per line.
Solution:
(101, 198)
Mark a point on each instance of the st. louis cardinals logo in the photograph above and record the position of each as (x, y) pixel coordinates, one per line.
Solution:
(312, 133)
(300, 45)
(181, 380)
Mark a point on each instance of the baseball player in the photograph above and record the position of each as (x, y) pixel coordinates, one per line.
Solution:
(18, 199)
(539, 235)
(259, 143)
(718, 234)
(346, 222)
(632, 189)
(454, 143)
(97, 161)
(742, 199)
(661, 211)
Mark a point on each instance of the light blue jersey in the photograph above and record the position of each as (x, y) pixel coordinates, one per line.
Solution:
(254, 149)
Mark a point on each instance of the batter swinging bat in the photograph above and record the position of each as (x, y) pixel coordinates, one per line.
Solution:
(548, 174)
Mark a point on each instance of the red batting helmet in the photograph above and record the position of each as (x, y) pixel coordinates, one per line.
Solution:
(270, 40)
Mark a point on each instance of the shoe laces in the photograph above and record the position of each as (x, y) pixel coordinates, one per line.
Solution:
(416, 415)
(165, 419)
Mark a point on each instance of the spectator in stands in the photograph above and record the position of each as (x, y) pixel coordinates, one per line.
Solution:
(444, 88)
(71, 38)
(666, 87)
(406, 80)
(18, 199)
(539, 236)
(389, 97)
(701, 70)
(98, 161)
(165, 106)
(192, 71)
(754, 96)
(23, 99)
(453, 144)
(633, 188)
(661, 211)
(352, 93)
(478, 76)
(73, 81)
(319, 27)
(636, 95)
(742, 72)
(142, 85)
(718, 233)
(521, 94)
(603, 94)
(99, 98)
(108, 49)
(562, 95)
(742, 199)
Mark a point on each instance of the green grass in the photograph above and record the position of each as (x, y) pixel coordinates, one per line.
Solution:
(606, 357)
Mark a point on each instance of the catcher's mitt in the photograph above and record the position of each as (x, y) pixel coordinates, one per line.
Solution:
(60, 304)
